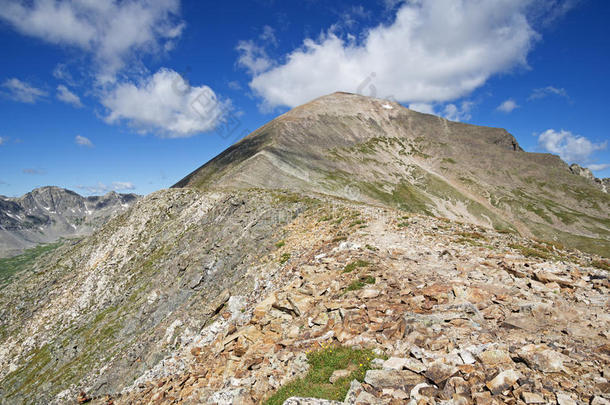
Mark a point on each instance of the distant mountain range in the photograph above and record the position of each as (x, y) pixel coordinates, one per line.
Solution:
(49, 213)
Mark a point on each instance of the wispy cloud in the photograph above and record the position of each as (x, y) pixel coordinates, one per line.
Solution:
(64, 94)
(101, 188)
(34, 172)
(570, 147)
(508, 106)
(458, 112)
(23, 92)
(451, 111)
(425, 108)
(3, 140)
(599, 167)
(548, 91)
(83, 141)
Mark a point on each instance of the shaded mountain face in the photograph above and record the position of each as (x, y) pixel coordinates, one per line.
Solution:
(377, 151)
(49, 213)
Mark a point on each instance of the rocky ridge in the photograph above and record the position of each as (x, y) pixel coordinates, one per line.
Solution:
(49, 213)
(462, 314)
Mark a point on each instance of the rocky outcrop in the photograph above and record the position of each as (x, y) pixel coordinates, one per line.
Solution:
(603, 184)
(49, 213)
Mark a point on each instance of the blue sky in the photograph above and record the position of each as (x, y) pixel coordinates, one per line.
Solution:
(133, 95)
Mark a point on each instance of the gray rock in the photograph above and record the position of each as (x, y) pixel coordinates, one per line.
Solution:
(564, 399)
(503, 381)
(542, 358)
(400, 379)
(339, 374)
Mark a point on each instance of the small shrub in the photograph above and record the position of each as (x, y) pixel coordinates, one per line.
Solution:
(339, 238)
(280, 244)
(284, 258)
(369, 280)
(531, 252)
(371, 248)
(359, 284)
(353, 265)
(403, 224)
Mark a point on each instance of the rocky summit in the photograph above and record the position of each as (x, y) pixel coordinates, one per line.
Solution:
(328, 258)
(49, 213)
(377, 151)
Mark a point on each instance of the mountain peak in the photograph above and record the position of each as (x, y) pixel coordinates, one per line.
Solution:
(375, 150)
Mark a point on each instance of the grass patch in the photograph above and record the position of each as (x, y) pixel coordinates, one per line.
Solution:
(354, 265)
(280, 244)
(340, 238)
(371, 248)
(12, 265)
(284, 258)
(403, 224)
(356, 222)
(601, 264)
(471, 235)
(531, 252)
(360, 283)
(322, 365)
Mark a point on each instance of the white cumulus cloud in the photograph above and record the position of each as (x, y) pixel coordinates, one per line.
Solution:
(508, 106)
(22, 91)
(570, 147)
(110, 30)
(433, 51)
(166, 104)
(83, 141)
(64, 94)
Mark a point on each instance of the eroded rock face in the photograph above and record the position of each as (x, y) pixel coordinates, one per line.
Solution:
(49, 213)
(603, 184)
(100, 313)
